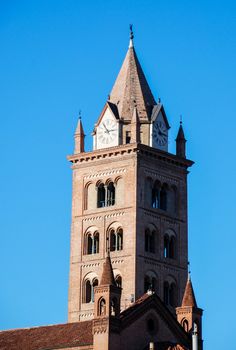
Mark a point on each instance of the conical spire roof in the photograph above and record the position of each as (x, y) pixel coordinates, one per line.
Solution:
(189, 297)
(79, 130)
(107, 273)
(131, 89)
(180, 135)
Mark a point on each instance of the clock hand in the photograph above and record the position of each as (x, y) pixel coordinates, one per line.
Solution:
(105, 128)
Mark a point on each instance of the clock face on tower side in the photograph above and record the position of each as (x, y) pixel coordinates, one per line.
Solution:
(107, 133)
(160, 134)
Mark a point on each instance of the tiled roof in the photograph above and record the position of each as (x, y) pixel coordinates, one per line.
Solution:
(107, 273)
(131, 89)
(134, 306)
(47, 337)
(189, 297)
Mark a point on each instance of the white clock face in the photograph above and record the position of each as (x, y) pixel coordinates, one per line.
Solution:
(107, 132)
(160, 134)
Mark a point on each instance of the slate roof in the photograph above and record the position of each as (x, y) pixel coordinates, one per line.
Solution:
(131, 89)
(47, 337)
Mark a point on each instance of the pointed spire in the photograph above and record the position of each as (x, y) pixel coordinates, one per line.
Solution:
(180, 141)
(131, 88)
(107, 273)
(79, 136)
(189, 297)
(135, 127)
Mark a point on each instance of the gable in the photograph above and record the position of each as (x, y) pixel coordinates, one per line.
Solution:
(158, 113)
(110, 111)
(150, 320)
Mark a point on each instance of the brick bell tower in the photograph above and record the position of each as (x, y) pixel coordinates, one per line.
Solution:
(129, 197)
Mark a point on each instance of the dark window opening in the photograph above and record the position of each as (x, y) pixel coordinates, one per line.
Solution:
(127, 137)
(101, 196)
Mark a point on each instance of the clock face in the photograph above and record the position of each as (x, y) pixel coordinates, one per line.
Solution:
(107, 132)
(160, 134)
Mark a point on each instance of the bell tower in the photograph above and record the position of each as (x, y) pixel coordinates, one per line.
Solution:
(130, 198)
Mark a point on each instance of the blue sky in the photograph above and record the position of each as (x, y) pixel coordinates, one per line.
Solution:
(59, 57)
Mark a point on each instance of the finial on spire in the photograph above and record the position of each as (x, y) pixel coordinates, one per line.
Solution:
(80, 114)
(131, 35)
(159, 100)
(189, 271)
(180, 119)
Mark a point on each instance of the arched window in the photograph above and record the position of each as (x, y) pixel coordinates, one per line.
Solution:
(166, 293)
(150, 282)
(118, 280)
(102, 307)
(112, 240)
(88, 290)
(185, 325)
(119, 239)
(96, 243)
(156, 195)
(149, 241)
(116, 239)
(169, 245)
(172, 247)
(89, 284)
(89, 244)
(147, 283)
(166, 246)
(163, 197)
(170, 293)
(94, 284)
(114, 306)
(110, 194)
(101, 202)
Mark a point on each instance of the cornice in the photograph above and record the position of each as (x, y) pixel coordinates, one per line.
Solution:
(130, 149)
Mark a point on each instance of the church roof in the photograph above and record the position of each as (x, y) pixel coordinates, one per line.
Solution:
(47, 337)
(107, 273)
(189, 297)
(131, 89)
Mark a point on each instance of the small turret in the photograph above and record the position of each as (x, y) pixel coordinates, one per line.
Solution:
(181, 142)
(135, 127)
(106, 310)
(189, 315)
(79, 137)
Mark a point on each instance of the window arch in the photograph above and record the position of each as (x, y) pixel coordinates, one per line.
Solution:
(101, 196)
(102, 307)
(163, 197)
(156, 195)
(106, 194)
(88, 290)
(110, 194)
(118, 281)
(150, 282)
(91, 243)
(150, 240)
(89, 283)
(170, 245)
(170, 293)
(185, 325)
(115, 237)
(114, 305)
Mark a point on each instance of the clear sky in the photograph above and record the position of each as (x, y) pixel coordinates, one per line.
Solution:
(58, 57)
